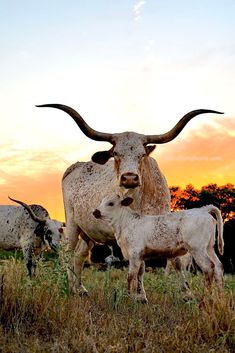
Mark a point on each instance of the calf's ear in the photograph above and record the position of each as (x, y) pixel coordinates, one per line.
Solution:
(127, 201)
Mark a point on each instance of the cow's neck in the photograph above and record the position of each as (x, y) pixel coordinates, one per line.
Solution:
(154, 195)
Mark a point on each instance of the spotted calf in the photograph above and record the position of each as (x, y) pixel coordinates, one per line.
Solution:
(173, 234)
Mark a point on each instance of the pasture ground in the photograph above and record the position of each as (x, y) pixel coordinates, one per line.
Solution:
(41, 316)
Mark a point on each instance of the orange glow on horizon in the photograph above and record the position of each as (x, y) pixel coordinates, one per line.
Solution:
(46, 190)
(206, 156)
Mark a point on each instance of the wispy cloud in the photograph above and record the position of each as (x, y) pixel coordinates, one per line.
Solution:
(30, 163)
(137, 9)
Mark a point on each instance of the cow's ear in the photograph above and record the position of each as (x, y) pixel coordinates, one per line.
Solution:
(127, 201)
(101, 157)
(149, 149)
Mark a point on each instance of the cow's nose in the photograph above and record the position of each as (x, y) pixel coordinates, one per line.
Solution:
(97, 213)
(129, 180)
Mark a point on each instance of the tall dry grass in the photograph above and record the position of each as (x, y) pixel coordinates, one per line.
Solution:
(41, 316)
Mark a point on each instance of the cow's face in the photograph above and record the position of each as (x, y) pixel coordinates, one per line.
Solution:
(110, 206)
(129, 152)
(52, 234)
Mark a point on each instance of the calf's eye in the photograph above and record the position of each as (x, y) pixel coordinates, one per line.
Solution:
(111, 204)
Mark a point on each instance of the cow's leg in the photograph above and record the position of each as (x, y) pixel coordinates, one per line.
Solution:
(132, 278)
(79, 249)
(81, 253)
(27, 241)
(141, 295)
(176, 263)
(72, 232)
(28, 257)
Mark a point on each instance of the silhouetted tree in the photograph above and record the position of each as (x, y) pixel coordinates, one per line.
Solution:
(221, 196)
(184, 199)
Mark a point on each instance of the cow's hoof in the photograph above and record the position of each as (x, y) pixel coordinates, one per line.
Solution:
(81, 291)
(142, 300)
(83, 294)
(187, 296)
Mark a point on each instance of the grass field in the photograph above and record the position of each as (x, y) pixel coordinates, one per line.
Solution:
(41, 316)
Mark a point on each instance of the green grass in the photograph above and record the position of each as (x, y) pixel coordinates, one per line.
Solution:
(6, 254)
(41, 315)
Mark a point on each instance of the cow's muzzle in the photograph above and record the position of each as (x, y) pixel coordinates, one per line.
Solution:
(97, 214)
(129, 180)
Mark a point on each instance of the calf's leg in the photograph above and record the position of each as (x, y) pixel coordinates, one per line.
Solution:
(207, 266)
(218, 269)
(141, 295)
(132, 278)
(176, 263)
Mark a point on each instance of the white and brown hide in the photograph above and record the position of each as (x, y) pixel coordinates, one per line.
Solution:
(141, 237)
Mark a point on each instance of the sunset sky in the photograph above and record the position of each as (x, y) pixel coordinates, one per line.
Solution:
(124, 65)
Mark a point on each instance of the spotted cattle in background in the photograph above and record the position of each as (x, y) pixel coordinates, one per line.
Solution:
(28, 228)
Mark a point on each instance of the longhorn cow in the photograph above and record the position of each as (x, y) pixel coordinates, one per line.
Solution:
(132, 172)
(28, 228)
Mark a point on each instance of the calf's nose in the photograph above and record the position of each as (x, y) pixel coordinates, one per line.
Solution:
(97, 214)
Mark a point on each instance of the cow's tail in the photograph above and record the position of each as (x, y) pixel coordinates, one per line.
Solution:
(220, 241)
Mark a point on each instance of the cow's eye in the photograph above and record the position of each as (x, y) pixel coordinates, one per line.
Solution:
(111, 204)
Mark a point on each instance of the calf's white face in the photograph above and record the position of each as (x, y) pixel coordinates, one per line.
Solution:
(110, 206)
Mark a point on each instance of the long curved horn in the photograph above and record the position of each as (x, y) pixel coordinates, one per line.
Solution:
(30, 211)
(86, 129)
(170, 135)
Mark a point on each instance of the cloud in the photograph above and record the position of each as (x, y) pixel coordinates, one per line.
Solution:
(27, 162)
(137, 9)
(202, 157)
